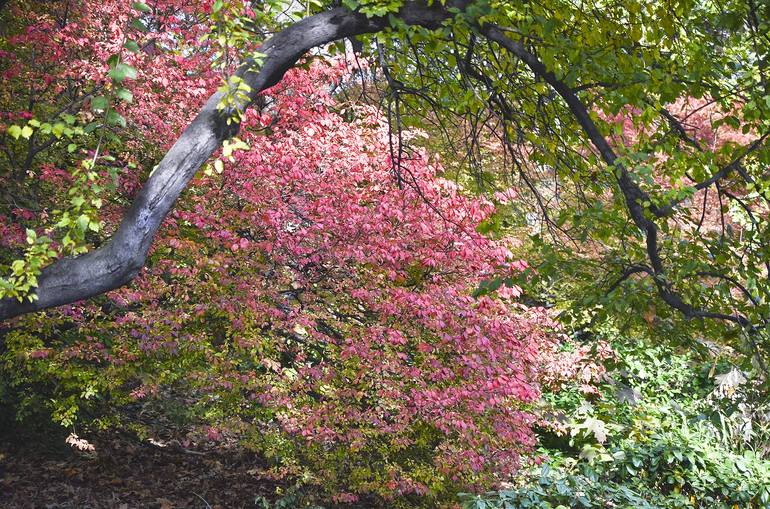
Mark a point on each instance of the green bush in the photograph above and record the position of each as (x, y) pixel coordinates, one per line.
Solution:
(666, 431)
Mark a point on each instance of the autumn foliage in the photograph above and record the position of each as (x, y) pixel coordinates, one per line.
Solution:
(379, 320)
(299, 295)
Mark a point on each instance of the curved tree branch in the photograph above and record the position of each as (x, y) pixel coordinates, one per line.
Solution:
(633, 195)
(118, 261)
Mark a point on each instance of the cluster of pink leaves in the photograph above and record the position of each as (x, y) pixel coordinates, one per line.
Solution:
(375, 275)
(583, 365)
(311, 282)
(85, 34)
(703, 123)
(347, 295)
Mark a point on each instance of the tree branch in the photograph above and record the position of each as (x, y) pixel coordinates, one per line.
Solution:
(633, 195)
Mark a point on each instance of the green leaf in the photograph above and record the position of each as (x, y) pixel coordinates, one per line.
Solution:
(137, 23)
(122, 72)
(26, 132)
(141, 7)
(488, 286)
(18, 267)
(115, 118)
(124, 95)
(99, 103)
(83, 221)
(132, 46)
(14, 131)
(58, 129)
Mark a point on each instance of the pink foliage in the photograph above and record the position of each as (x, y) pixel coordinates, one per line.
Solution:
(315, 286)
(310, 239)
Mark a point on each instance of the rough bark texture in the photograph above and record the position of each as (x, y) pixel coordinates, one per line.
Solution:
(118, 261)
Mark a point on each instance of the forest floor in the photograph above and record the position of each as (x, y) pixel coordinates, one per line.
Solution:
(38, 470)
